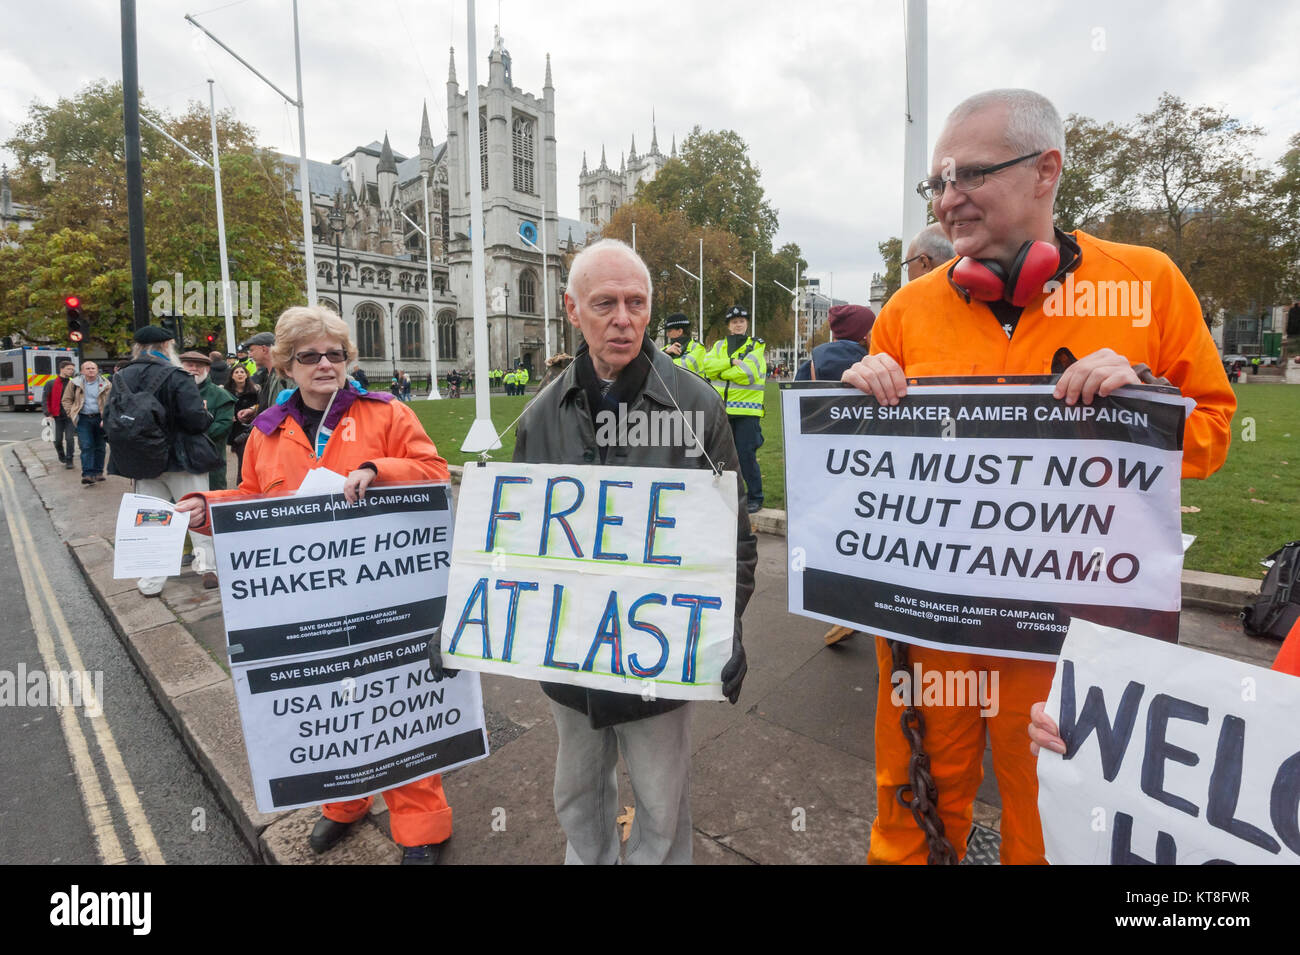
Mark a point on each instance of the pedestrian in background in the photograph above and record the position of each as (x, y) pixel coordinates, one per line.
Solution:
(219, 371)
(157, 447)
(245, 394)
(63, 427)
(84, 398)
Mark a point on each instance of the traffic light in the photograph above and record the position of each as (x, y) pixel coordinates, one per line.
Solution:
(211, 339)
(78, 326)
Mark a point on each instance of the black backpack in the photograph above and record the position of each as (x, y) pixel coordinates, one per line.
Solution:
(135, 425)
(1275, 610)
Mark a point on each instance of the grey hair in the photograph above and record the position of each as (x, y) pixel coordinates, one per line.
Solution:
(931, 242)
(168, 348)
(582, 262)
(1033, 124)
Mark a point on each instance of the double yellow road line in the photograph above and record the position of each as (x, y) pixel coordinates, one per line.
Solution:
(48, 622)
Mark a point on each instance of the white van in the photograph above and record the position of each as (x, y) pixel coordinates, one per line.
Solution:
(25, 371)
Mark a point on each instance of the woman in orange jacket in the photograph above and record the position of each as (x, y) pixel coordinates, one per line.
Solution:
(329, 421)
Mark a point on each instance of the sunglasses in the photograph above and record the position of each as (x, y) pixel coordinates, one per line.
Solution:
(336, 356)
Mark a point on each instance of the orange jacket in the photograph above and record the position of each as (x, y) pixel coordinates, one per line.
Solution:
(929, 329)
(382, 432)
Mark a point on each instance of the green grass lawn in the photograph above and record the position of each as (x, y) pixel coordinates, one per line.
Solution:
(1252, 505)
(1247, 510)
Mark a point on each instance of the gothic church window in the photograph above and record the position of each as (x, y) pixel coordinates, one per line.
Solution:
(524, 130)
(446, 336)
(527, 291)
(409, 321)
(370, 341)
(482, 149)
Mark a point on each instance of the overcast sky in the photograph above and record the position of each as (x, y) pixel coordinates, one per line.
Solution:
(816, 88)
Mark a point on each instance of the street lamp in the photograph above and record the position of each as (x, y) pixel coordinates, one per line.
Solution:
(336, 226)
(505, 290)
(546, 285)
(794, 293)
(752, 282)
(392, 338)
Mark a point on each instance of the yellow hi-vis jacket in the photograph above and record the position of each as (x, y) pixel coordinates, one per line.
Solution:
(692, 357)
(741, 386)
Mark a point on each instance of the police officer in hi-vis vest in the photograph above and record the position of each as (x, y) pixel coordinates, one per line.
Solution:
(737, 367)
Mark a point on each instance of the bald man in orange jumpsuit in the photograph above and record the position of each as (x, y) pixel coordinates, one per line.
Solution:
(993, 181)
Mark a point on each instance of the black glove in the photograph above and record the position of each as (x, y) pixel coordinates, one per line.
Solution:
(435, 659)
(733, 674)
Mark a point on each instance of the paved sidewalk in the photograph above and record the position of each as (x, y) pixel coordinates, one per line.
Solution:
(800, 738)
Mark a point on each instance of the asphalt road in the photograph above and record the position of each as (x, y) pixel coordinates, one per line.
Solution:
(75, 788)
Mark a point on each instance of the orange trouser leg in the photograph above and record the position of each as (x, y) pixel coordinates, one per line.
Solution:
(418, 813)
(1021, 684)
(955, 740)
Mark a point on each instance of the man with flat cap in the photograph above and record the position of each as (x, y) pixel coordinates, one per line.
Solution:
(153, 414)
(269, 383)
(737, 367)
(681, 348)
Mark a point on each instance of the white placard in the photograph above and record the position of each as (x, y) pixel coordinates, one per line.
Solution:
(149, 538)
(328, 608)
(616, 578)
(982, 518)
(1173, 756)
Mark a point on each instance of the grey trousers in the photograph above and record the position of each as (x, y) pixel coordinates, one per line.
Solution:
(658, 756)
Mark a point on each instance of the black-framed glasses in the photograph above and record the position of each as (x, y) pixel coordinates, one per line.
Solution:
(966, 179)
(336, 356)
(906, 262)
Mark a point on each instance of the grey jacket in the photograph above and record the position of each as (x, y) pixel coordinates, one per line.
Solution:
(557, 428)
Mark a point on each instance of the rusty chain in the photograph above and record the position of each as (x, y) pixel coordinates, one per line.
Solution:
(920, 795)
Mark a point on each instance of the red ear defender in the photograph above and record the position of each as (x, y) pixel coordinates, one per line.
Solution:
(977, 279)
(1035, 265)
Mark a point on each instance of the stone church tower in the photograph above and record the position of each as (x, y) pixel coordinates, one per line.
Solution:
(516, 171)
(602, 190)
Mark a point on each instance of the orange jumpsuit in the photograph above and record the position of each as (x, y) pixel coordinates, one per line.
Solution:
(931, 330)
(390, 436)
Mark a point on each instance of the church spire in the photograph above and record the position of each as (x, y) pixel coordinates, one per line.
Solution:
(631, 156)
(451, 66)
(654, 134)
(674, 153)
(426, 136)
(584, 162)
(547, 84)
(386, 161)
(602, 157)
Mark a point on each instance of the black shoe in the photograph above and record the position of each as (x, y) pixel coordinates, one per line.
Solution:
(88, 481)
(422, 855)
(99, 477)
(69, 465)
(754, 507)
(326, 833)
(187, 559)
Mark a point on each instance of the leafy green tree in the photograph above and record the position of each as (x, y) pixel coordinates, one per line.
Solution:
(891, 250)
(72, 166)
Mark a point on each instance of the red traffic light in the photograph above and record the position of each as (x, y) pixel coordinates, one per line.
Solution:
(72, 301)
(211, 339)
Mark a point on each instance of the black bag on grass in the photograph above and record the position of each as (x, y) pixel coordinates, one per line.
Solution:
(1275, 610)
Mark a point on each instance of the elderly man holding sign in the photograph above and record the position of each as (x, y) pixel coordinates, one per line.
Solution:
(1021, 298)
(613, 561)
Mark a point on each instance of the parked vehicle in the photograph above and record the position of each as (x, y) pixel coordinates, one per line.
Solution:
(25, 371)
